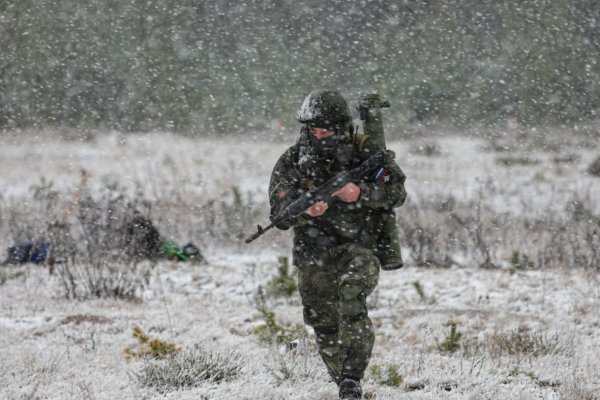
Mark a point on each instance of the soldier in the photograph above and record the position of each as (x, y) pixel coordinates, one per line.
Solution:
(335, 244)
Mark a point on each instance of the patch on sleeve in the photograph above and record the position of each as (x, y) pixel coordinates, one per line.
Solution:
(282, 194)
(383, 175)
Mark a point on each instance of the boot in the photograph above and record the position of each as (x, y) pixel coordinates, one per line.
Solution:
(350, 389)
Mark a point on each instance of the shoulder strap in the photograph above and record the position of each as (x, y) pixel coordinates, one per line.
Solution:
(304, 181)
(359, 142)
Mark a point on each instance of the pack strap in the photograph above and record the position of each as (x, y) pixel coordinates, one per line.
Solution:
(359, 142)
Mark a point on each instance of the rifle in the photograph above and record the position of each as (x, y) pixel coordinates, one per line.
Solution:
(323, 192)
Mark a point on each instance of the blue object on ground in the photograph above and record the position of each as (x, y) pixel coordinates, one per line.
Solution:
(35, 252)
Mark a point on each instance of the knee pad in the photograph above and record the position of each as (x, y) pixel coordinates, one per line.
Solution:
(352, 300)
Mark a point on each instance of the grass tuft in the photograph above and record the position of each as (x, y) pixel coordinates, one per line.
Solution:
(188, 369)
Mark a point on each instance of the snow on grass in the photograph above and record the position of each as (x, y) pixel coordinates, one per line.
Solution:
(525, 334)
(63, 349)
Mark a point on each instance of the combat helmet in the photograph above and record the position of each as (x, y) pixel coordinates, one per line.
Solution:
(325, 108)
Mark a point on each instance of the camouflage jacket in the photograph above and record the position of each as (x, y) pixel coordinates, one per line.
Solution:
(299, 170)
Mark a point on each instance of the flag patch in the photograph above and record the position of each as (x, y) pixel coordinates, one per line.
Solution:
(382, 175)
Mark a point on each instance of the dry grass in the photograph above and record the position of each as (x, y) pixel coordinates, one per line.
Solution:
(530, 332)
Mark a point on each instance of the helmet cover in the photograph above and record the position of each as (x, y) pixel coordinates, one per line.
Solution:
(324, 108)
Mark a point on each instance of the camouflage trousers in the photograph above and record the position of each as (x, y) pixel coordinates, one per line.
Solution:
(334, 296)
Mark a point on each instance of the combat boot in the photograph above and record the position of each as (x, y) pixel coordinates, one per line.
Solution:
(350, 389)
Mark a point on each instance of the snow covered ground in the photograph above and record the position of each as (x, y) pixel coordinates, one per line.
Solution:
(525, 334)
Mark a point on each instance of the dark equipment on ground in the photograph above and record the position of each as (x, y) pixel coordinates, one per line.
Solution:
(31, 251)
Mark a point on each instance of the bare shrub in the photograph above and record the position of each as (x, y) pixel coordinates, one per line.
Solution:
(579, 389)
(78, 135)
(120, 228)
(20, 221)
(528, 139)
(573, 239)
(113, 228)
(98, 258)
(516, 160)
(425, 232)
(476, 229)
(517, 343)
(594, 168)
(188, 369)
(221, 221)
(535, 344)
(440, 229)
(228, 220)
(570, 158)
(445, 231)
(429, 149)
(103, 279)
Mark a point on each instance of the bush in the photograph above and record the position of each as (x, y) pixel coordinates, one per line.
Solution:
(282, 284)
(521, 261)
(452, 341)
(114, 229)
(594, 168)
(387, 375)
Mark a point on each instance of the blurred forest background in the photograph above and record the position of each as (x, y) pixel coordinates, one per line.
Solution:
(223, 66)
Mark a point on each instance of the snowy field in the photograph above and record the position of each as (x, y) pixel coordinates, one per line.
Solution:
(522, 333)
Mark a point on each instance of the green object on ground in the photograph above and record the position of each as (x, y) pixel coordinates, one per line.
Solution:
(172, 250)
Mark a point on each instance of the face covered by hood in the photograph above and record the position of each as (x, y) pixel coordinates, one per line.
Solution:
(337, 147)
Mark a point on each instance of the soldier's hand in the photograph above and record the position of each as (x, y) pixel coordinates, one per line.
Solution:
(317, 209)
(348, 193)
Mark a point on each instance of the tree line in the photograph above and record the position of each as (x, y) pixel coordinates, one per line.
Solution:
(219, 66)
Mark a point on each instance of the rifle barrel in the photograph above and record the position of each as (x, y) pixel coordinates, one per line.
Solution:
(259, 231)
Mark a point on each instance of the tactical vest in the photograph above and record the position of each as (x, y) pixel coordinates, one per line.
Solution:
(343, 222)
(373, 229)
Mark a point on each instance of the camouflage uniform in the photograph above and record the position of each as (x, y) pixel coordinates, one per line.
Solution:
(335, 252)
